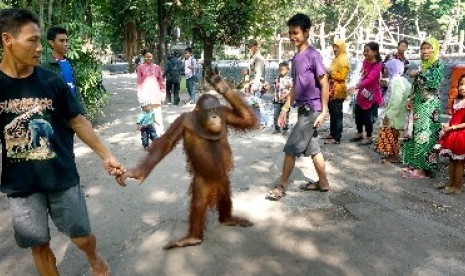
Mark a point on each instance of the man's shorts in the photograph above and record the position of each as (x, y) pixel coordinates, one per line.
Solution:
(67, 209)
(304, 137)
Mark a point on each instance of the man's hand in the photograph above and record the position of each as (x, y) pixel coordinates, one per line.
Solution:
(320, 119)
(113, 167)
(134, 173)
(282, 119)
(351, 90)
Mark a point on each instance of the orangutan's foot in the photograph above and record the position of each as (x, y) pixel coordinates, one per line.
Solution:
(100, 267)
(237, 221)
(188, 241)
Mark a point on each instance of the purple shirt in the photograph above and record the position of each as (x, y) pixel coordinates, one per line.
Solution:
(307, 66)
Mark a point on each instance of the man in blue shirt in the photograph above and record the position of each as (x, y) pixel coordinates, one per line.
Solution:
(58, 39)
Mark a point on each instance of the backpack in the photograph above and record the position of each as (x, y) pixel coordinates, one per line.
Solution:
(173, 70)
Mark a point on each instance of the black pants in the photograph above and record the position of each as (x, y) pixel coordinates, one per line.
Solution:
(335, 118)
(277, 111)
(172, 86)
(364, 118)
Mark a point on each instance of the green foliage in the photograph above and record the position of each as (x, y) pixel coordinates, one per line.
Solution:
(431, 16)
(88, 70)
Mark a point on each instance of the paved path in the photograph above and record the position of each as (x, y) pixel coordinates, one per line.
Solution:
(372, 222)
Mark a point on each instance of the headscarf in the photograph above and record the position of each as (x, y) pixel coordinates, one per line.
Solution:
(341, 60)
(395, 68)
(426, 63)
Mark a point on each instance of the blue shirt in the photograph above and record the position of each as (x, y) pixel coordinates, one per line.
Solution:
(146, 118)
(68, 74)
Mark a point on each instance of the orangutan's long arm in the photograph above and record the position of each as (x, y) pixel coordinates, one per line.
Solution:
(240, 116)
(159, 148)
(163, 145)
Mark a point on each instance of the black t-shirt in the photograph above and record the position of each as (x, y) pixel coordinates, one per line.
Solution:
(37, 144)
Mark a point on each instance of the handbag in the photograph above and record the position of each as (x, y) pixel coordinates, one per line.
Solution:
(367, 94)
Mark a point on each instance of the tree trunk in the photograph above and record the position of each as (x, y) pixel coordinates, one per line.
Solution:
(50, 12)
(162, 24)
(450, 27)
(41, 14)
(130, 43)
(208, 45)
(88, 12)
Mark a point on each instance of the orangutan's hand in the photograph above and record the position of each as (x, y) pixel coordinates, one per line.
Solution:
(134, 173)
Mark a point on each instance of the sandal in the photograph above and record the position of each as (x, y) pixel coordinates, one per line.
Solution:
(276, 194)
(414, 175)
(389, 160)
(314, 187)
(450, 190)
(366, 142)
(442, 186)
(328, 137)
(332, 142)
(356, 139)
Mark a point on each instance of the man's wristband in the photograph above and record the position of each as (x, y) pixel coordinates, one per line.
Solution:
(285, 109)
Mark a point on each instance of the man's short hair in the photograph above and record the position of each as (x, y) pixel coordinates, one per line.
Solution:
(11, 20)
(403, 41)
(300, 20)
(188, 49)
(54, 31)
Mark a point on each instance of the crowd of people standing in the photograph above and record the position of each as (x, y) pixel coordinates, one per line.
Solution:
(41, 178)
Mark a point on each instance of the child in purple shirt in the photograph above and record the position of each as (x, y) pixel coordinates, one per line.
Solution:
(310, 93)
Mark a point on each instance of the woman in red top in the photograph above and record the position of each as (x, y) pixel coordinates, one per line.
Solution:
(369, 93)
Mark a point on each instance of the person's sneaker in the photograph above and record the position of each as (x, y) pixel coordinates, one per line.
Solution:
(285, 131)
(276, 131)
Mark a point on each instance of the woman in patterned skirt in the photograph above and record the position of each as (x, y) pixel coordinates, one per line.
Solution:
(387, 143)
(417, 152)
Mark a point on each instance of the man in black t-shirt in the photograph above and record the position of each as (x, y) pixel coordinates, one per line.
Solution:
(39, 173)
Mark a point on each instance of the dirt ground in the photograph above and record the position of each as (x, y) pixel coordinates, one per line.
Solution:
(372, 222)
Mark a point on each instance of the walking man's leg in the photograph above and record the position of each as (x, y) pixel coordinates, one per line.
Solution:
(88, 245)
(320, 168)
(288, 167)
(44, 259)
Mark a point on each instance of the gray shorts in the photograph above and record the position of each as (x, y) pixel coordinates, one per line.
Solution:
(67, 209)
(304, 137)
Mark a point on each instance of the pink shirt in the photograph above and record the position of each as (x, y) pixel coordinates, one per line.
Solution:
(371, 73)
(150, 85)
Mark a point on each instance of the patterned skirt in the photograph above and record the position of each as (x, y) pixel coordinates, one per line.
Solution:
(388, 141)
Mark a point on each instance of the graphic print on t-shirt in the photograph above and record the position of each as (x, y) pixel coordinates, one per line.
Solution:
(27, 135)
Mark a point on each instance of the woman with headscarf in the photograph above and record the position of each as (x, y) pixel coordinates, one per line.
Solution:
(417, 152)
(387, 143)
(338, 90)
(151, 89)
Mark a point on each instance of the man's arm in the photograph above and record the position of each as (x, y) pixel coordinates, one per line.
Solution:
(86, 133)
(324, 84)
